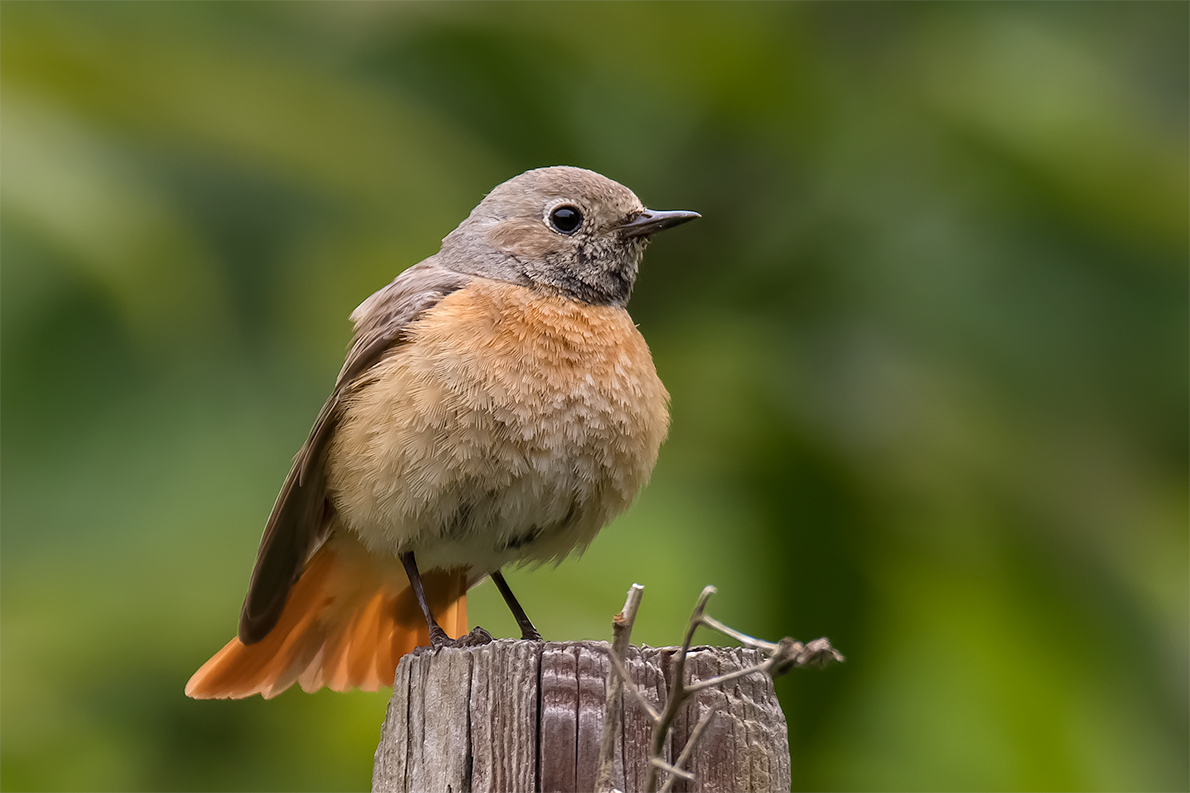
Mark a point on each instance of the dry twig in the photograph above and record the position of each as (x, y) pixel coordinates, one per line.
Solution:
(780, 658)
(621, 634)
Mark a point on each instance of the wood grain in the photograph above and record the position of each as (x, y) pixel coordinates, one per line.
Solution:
(528, 716)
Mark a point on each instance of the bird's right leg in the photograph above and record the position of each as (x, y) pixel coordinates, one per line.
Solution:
(438, 637)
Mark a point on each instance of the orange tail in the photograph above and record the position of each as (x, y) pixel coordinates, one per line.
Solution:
(348, 620)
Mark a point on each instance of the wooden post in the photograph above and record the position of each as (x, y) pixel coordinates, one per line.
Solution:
(528, 716)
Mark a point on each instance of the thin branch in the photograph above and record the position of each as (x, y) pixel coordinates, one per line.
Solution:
(657, 762)
(677, 686)
(691, 742)
(711, 682)
(633, 689)
(779, 658)
(742, 638)
(789, 653)
(621, 636)
(696, 616)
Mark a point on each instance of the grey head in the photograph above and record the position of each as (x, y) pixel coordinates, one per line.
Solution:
(562, 230)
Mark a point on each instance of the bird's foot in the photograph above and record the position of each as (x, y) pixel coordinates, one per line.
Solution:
(476, 638)
(438, 638)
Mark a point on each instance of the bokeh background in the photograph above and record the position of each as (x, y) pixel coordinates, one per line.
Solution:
(927, 350)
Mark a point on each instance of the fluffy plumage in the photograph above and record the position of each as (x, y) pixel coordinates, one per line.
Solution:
(497, 405)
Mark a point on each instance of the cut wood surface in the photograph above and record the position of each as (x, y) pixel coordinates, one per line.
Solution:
(528, 716)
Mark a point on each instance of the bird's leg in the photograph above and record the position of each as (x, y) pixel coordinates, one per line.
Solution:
(438, 637)
(528, 632)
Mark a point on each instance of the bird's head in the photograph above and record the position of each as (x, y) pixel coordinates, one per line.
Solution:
(560, 229)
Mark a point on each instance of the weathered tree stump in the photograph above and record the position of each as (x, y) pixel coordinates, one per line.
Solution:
(528, 716)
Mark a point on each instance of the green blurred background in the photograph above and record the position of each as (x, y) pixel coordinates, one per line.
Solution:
(927, 350)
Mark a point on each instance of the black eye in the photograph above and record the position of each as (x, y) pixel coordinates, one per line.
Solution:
(566, 219)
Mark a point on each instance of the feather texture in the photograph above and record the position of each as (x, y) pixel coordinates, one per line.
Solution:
(348, 620)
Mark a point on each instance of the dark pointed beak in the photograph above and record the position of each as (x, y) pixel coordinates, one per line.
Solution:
(652, 221)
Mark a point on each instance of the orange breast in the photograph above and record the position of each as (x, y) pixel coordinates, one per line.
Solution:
(510, 425)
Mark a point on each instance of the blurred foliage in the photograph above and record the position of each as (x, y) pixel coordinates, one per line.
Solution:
(927, 350)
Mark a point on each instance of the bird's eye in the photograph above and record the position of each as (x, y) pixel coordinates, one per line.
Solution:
(566, 219)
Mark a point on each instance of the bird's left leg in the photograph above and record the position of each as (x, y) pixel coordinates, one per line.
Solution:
(528, 632)
(438, 637)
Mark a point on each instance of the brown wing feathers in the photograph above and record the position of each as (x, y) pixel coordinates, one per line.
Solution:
(299, 518)
(320, 610)
(302, 511)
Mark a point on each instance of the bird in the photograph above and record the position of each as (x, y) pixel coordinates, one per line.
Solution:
(497, 406)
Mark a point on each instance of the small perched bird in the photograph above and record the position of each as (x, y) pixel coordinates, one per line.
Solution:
(497, 405)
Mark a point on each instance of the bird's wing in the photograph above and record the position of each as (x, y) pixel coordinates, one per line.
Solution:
(302, 511)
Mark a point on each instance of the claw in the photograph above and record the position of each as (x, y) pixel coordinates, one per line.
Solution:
(438, 638)
(478, 637)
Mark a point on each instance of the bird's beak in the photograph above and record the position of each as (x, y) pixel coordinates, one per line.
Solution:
(652, 220)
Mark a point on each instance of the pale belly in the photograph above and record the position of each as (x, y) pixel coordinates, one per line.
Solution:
(508, 427)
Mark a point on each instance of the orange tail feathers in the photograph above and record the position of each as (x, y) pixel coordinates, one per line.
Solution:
(348, 620)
